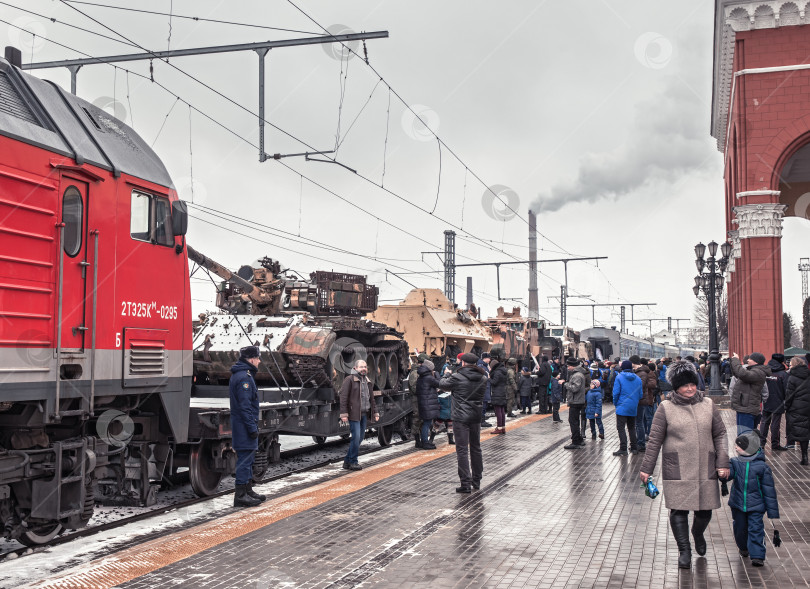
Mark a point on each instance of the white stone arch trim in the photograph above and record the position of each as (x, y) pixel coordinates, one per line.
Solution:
(741, 15)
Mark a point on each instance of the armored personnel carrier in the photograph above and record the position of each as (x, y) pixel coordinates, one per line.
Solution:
(433, 325)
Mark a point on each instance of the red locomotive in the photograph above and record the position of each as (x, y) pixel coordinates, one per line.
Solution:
(96, 362)
(94, 320)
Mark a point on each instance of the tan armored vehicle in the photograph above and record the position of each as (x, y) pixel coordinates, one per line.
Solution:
(432, 324)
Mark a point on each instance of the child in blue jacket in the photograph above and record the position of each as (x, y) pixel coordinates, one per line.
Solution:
(555, 398)
(593, 409)
(753, 494)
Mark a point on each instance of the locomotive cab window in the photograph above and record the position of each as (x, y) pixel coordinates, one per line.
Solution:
(151, 219)
(72, 217)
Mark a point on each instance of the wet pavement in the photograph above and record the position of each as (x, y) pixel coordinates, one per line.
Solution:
(545, 517)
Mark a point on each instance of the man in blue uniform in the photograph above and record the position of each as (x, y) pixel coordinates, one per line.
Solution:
(245, 424)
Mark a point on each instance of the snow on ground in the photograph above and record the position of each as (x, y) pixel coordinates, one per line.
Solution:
(15, 572)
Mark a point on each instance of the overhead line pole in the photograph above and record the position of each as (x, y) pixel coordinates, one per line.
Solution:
(261, 49)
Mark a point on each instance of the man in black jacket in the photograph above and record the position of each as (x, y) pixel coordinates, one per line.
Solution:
(774, 407)
(467, 389)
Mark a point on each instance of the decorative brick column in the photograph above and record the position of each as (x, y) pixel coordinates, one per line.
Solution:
(758, 279)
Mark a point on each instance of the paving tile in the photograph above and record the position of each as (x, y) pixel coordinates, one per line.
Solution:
(545, 517)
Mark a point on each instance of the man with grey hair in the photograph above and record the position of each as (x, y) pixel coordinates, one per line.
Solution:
(356, 406)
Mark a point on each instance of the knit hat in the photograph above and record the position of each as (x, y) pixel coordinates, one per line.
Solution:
(572, 361)
(422, 357)
(459, 355)
(748, 442)
(485, 355)
(757, 357)
(544, 359)
(249, 352)
(627, 365)
(634, 360)
(429, 365)
(511, 361)
(778, 357)
(526, 369)
(682, 372)
(469, 358)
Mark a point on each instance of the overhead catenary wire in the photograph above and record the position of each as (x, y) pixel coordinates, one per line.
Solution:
(439, 141)
(320, 258)
(194, 18)
(419, 118)
(218, 21)
(247, 141)
(290, 135)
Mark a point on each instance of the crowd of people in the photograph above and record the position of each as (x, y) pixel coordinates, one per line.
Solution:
(660, 407)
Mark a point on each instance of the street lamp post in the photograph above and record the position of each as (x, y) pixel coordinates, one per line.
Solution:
(710, 281)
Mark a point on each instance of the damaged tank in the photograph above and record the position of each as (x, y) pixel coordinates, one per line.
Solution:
(310, 333)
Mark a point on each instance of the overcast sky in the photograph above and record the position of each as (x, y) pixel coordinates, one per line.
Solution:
(595, 114)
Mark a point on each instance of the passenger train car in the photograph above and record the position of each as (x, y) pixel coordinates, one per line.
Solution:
(610, 343)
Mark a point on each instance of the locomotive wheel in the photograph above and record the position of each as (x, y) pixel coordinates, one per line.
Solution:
(320, 440)
(204, 480)
(384, 433)
(41, 534)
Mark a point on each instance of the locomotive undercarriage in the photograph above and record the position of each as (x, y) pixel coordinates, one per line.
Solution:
(51, 474)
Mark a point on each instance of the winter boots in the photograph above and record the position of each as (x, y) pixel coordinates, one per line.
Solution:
(242, 499)
(451, 440)
(253, 493)
(417, 438)
(679, 521)
(699, 525)
(804, 446)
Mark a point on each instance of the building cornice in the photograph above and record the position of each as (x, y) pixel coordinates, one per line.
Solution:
(730, 17)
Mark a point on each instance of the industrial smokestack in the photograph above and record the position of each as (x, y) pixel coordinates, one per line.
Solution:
(534, 307)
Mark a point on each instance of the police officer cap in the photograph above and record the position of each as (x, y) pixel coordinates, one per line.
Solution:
(249, 352)
(469, 358)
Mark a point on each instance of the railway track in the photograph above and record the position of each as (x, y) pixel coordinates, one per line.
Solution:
(91, 530)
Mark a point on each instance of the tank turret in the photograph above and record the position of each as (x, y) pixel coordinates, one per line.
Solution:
(267, 291)
(309, 331)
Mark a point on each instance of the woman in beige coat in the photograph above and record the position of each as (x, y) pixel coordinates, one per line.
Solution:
(690, 432)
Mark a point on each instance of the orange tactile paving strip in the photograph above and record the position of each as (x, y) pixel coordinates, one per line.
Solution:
(147, 557)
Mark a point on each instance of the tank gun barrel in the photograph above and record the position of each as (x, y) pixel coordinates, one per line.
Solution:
(219, 270)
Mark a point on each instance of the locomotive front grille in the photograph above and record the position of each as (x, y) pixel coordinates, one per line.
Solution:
(147, 360)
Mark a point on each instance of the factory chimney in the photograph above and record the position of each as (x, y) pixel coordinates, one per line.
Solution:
(534, 307)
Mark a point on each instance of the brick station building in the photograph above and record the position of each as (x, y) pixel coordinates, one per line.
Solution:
(761, 120)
